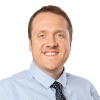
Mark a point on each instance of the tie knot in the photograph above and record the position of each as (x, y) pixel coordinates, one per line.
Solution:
(56, 85)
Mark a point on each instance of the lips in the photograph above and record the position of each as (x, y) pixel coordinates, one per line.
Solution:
(50, 52)
(52, 56)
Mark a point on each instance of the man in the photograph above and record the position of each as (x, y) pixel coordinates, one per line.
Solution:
(50, 38)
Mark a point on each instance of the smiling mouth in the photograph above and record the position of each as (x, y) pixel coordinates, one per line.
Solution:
(50, 54)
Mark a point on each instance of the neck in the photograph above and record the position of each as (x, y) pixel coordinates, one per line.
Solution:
(55, 73)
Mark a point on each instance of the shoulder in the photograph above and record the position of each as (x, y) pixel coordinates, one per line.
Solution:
(74, 78)
(15, 77)
(69, 75)
(79, 84)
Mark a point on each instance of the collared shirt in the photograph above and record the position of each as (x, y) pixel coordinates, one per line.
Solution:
(34, 84)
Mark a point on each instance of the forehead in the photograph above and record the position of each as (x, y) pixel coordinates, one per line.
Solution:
(48, 15)
(48, 18)
(49, 22)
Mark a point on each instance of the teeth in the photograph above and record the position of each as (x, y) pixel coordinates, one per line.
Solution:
(50, 54)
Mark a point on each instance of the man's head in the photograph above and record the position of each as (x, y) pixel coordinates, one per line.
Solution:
(50, 35)
(52, 9)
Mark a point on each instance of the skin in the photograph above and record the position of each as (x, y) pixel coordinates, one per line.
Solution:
(50, 35)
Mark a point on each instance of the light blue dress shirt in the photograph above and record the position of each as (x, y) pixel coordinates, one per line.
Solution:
(34, 84)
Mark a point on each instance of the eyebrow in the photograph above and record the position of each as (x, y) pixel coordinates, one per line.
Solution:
(56, 31)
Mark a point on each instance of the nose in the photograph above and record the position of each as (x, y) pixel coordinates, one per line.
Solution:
(51, 42)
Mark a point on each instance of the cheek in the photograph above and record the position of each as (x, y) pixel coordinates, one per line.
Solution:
(37, 46)
(64, 45)
(66, 51)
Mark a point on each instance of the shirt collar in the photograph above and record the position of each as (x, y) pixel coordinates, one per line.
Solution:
(44, 78)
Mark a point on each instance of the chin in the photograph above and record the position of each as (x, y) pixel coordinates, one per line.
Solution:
(52, 67)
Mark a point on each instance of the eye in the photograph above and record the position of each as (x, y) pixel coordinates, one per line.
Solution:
(60, 35)
(40, 35)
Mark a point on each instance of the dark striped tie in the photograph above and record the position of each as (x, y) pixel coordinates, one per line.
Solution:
(59, 94)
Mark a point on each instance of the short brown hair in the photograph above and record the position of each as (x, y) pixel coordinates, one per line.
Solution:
(55, 10)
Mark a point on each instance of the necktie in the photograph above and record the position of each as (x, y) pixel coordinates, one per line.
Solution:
(59, 94)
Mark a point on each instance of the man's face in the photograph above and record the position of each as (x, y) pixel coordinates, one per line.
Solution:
(50, 44)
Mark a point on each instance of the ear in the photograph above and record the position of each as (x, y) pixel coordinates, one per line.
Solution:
(70, 44)
(30, 45)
